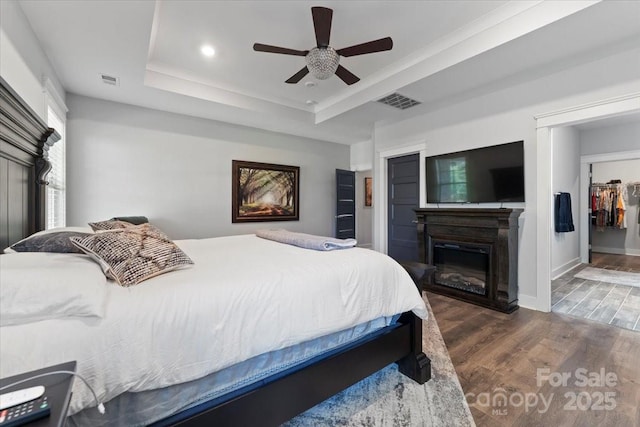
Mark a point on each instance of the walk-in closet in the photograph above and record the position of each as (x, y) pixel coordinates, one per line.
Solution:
(613, 198)
(597, 267)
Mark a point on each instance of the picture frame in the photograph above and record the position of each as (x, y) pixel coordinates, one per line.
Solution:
(264, 192)
(368, 191)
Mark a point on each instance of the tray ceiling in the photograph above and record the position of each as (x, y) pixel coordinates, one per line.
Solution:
(153, 48)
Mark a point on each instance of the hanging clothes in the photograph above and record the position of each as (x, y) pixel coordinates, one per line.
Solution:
(614, 209)
(563, 216)
(603, 206)
(608, 205)
(621, 208)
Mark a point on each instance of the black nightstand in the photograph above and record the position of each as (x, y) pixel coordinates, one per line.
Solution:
(57, 389)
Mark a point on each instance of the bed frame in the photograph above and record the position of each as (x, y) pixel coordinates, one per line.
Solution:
(24, 142)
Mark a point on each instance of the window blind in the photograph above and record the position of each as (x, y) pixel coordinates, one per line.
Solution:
(56, 190)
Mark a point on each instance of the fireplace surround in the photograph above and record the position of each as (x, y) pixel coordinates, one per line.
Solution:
(475, 252)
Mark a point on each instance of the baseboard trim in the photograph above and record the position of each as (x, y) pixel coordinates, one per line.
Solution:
(567, 266)
(616, 251)
(529, 302)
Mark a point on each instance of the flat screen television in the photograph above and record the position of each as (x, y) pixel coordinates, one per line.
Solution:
(482, 175)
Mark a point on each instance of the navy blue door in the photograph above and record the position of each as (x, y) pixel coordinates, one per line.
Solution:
(346, 204)
(403, 197)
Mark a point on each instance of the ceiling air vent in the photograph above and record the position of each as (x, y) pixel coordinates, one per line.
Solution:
(110, 80)
(399, 101)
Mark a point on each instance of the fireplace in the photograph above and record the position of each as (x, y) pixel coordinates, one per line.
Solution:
(475, 252)
(462, 266)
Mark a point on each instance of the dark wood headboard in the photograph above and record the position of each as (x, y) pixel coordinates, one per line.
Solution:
(25, 140)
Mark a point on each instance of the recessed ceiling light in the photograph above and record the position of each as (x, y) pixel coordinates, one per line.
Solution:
(208, 50)
(311, 102)
(310, 84)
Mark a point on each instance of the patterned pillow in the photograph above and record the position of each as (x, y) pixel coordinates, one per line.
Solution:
(57, 242)
(110, 224)
(133, 254)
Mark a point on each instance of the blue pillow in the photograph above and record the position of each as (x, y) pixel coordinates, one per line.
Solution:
(57, 242)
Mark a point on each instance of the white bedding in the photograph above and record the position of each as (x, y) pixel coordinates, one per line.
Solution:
(63, 285)
(244, 296)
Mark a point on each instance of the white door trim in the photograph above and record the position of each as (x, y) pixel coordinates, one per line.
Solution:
(621, 105)
(596, 110)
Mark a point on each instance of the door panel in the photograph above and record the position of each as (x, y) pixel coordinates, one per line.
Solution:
(403, 195)
(345, 204)
(592, 215)
(405, 191)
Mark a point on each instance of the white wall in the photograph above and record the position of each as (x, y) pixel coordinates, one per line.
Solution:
(565, 247)
(362, 156)
(176, 170)
(619, 241)
(364, 214)
(507, 114)
(610, 139)
(23, 63)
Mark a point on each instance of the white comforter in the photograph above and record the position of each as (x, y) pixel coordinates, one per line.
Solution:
(244, 296)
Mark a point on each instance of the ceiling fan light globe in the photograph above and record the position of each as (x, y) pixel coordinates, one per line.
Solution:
(322, 62)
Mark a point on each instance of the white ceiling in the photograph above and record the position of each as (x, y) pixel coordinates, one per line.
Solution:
(618, 120)
(443, 51)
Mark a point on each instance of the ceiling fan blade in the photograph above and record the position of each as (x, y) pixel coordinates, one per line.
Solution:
(275, 49)
(368, 47)
(346, 75)
(322, 23)
(298, 76)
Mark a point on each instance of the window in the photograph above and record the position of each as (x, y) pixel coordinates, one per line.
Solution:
(56, 190)
(452, 179)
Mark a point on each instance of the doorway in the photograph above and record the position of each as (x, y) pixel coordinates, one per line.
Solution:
(345, 204)
(613, 200)
(606, 288)
(380, 187)
(626, 105)
(403, 175)
(364, 208)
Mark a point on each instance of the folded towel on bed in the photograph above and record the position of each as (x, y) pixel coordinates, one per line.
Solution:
(307, 241)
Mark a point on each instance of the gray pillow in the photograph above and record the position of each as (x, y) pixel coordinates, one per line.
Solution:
(57, 242)
(110, 224)
(135, 220)
(118, 222)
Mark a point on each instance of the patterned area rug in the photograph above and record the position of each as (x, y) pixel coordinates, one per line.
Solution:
(388, 398)
(610, 276)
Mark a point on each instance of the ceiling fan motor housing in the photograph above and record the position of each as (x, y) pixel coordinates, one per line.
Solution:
(322, 62)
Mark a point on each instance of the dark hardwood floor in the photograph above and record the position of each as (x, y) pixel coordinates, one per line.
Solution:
(499, 355)
(616, 262)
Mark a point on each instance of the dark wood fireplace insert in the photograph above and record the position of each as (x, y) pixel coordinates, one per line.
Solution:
(475, 252)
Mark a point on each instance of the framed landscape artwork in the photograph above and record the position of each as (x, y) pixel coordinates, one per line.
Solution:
(368, 192)
(264, 192)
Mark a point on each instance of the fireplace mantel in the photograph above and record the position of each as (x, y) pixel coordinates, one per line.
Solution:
(494, 229)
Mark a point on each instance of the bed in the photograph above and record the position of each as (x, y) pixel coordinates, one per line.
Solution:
(356, 337)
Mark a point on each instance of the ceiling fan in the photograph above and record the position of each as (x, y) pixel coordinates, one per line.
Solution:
(323, 61)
